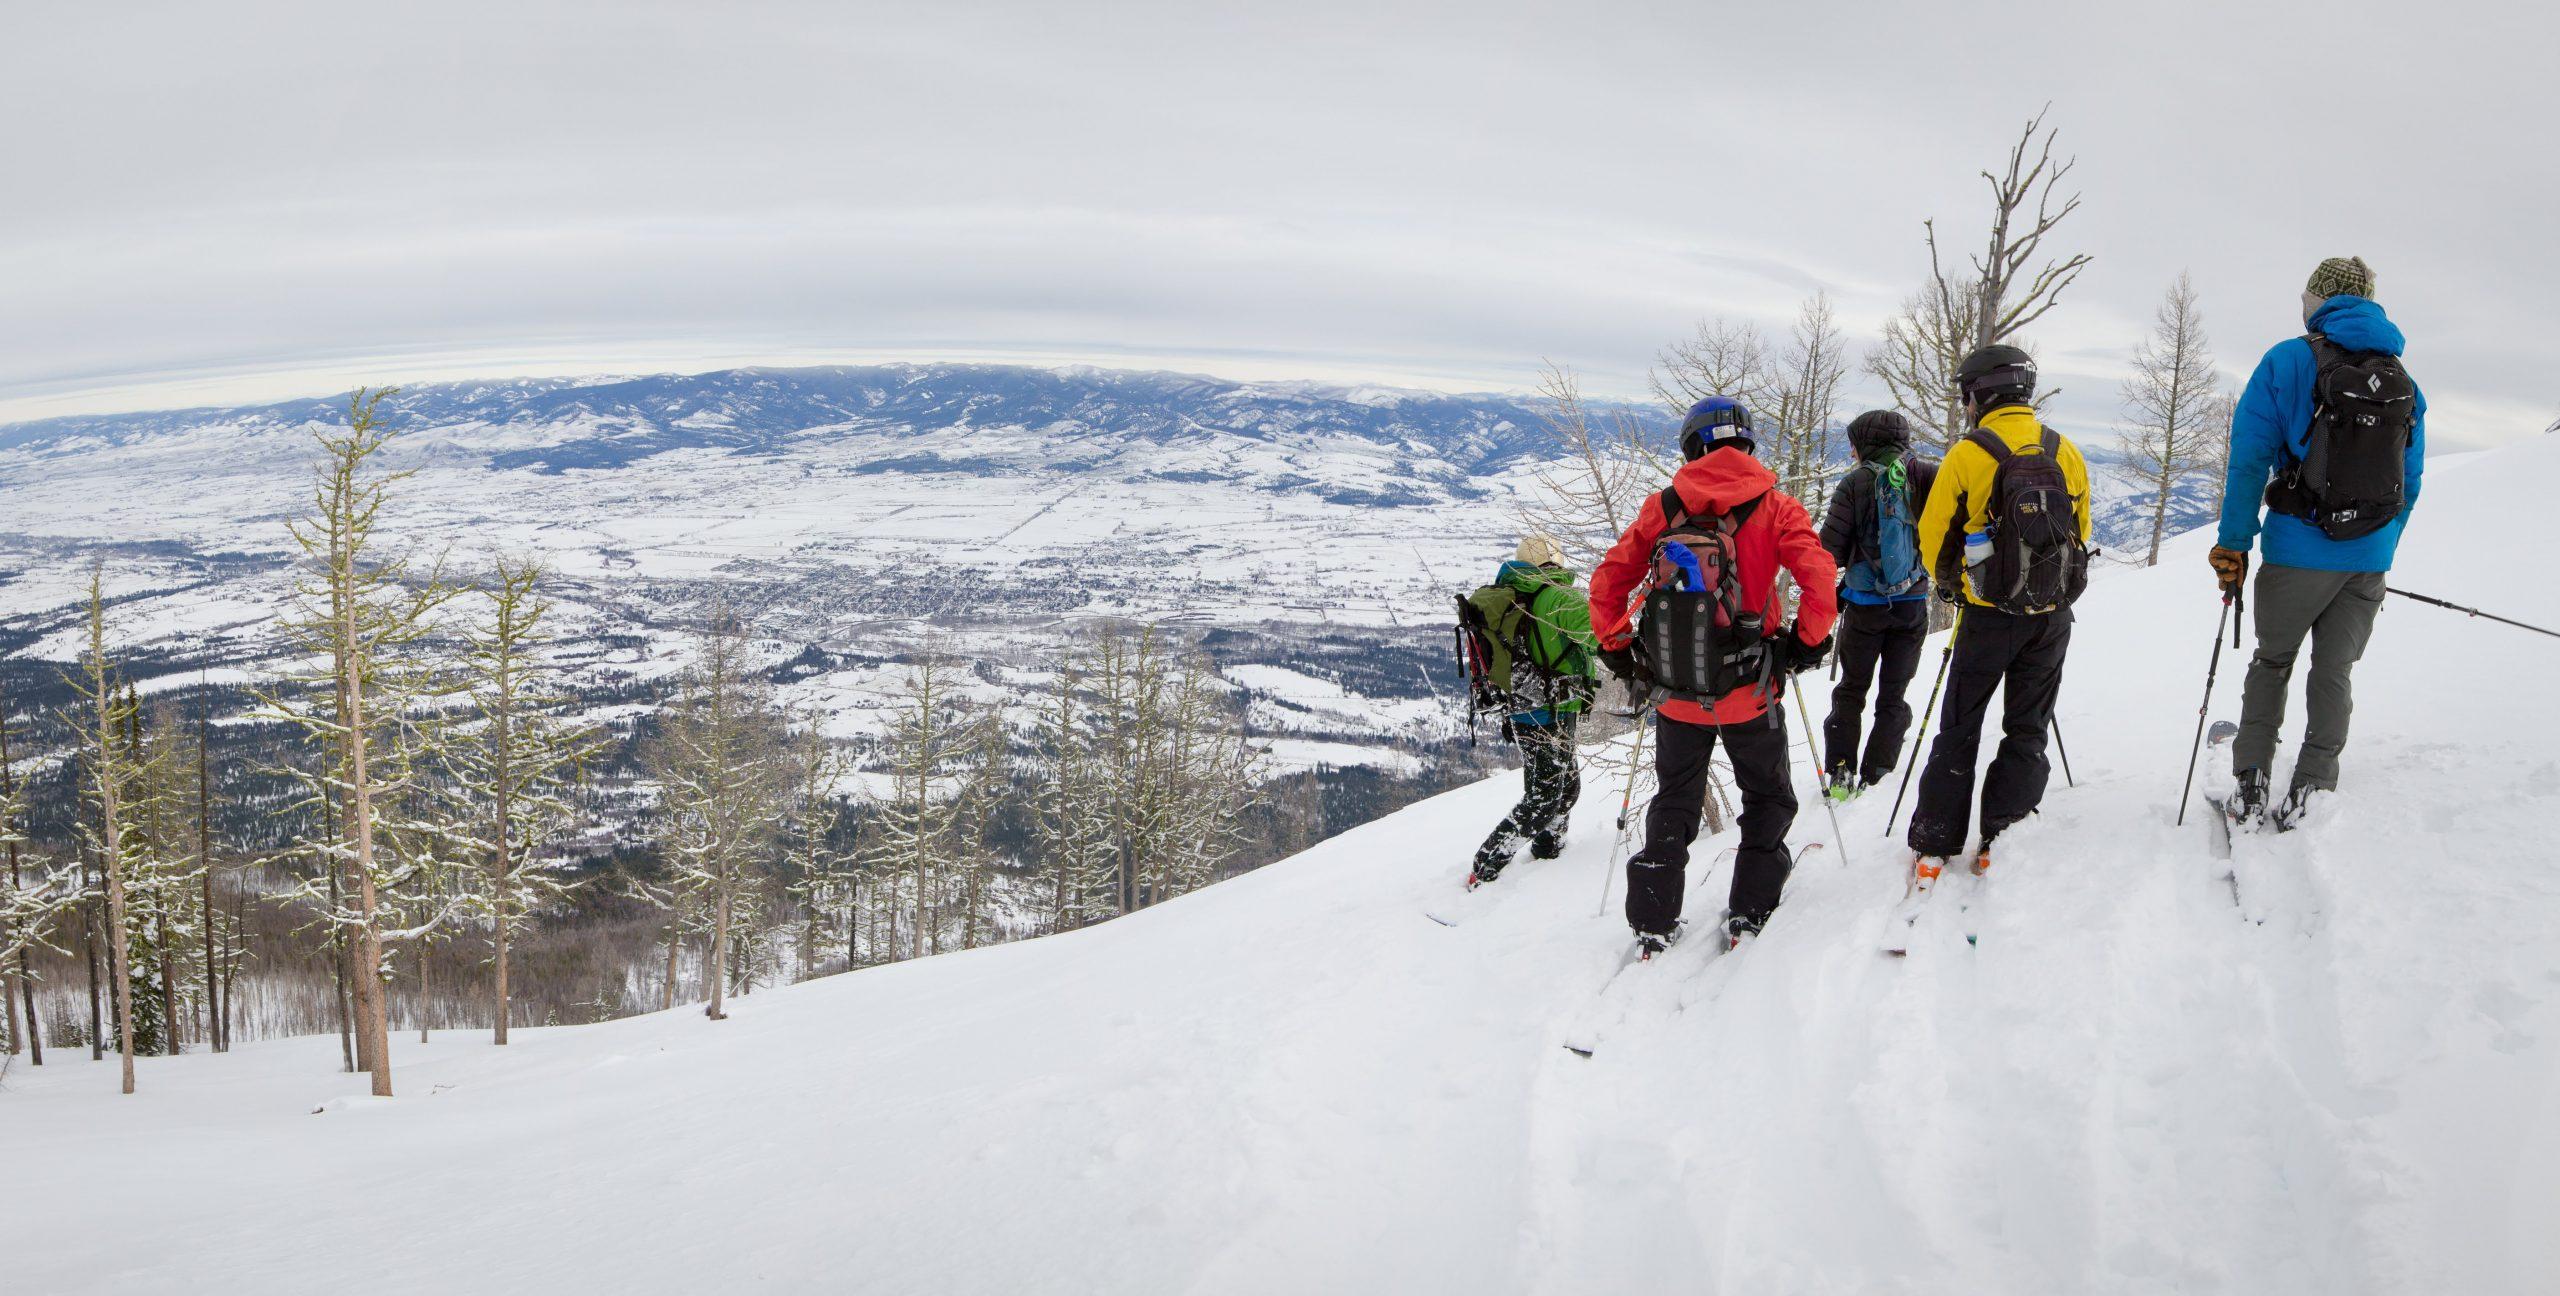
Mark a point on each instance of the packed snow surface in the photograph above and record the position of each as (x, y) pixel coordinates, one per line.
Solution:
(1295, 1082)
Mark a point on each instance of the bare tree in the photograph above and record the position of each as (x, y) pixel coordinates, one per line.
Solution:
(1611, 463)
(2168, 404)
(2009, 285)
(1722, 358)
(209, 917)
(926, 839)
(518, 768)
(1163, 771)
(2213, 453)
(28, 911)
(362, 614)
(1070, 803)
(104, 711)
(161, 863)
(721, 785)
(1803, 404)
(1917, 356)
(829, 886)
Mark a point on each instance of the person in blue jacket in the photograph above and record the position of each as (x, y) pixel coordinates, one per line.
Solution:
(2309, 585)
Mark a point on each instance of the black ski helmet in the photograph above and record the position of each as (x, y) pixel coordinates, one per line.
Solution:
(1716, 421)
(1879, 430)
(1995, 375)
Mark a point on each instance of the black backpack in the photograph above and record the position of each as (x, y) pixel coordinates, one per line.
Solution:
(2364, 409)
(1696, 639)
(2037, 563)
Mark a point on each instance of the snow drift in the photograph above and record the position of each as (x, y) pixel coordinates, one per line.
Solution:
(1294, 1082)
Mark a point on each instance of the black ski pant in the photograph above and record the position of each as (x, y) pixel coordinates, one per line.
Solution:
(1551, 782)
(1872, 636)
(2020, 657)
(1657, 876)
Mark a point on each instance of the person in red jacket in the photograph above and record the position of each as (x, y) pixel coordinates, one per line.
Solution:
(1722, 478)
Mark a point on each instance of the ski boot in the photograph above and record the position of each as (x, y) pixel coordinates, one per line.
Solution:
(1982, 860)
(1736, 927)
(2297, 799)
(1924, 872)
(1649, 944)
(2248, 804)
(1546, 846)
(1842, 785)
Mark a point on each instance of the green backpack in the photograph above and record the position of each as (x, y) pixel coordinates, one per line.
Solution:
(1497, 635)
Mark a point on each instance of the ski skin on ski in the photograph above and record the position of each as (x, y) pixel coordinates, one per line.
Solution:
(1584, 1040)
(2217, 802)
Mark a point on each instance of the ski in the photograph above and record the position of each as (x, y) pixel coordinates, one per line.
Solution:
(1905, 917)
(1609, 1006)
(2217, 802)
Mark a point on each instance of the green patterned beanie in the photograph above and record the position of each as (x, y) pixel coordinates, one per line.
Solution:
(2341, 275)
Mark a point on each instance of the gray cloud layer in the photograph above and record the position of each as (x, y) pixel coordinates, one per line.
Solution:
(296, 192)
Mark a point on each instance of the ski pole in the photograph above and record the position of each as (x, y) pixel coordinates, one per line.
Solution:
(1920, 747)
(1626, 800)
(2065, 752)
(2212, 667)
(2456, 607)
(1828, 806)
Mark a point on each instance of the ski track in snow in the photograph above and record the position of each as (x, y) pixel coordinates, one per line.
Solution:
(1292, 1082)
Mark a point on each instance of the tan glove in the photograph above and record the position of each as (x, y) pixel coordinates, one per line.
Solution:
(2230, 568)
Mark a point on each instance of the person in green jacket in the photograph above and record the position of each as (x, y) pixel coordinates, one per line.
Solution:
(1542, 638)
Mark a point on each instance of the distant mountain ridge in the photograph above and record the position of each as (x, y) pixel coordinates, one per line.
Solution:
(1412, 448)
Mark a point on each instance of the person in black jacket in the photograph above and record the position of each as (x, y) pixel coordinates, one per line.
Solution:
(1884, 599)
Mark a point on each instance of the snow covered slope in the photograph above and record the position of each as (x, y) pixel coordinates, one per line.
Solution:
(1293, 1082)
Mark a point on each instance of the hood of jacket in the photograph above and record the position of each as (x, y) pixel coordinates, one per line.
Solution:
(2358, 324)
(1528, 578)
(1721, 481)
(1877, 433)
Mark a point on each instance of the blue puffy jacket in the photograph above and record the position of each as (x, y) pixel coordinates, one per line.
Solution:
(2276, 411)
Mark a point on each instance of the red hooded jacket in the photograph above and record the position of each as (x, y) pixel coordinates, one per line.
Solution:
(1777, 534)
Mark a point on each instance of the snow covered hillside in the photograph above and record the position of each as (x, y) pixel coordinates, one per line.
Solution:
(2348, 1082)
(857, 511)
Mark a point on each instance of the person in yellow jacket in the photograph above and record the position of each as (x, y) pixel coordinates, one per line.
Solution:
(2022, 549)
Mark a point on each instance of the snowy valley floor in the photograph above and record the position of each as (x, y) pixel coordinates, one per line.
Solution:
(1295, 1082)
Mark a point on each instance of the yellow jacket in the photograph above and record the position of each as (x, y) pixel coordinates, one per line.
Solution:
(1963, 492)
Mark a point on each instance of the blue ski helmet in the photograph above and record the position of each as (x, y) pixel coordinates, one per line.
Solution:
(1716, 421)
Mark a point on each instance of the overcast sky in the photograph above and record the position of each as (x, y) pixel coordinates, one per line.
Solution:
(243, 201)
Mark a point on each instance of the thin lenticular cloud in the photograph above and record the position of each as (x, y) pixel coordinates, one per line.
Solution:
(268, 196)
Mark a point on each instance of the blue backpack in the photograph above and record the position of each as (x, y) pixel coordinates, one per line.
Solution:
(1895, 568)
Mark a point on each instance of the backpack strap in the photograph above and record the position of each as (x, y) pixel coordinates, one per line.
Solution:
(2051, 444)
(1675, 510)
(1989, 442)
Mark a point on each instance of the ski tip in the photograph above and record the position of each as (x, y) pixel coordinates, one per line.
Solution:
(1445, 922)
(1579, 1051)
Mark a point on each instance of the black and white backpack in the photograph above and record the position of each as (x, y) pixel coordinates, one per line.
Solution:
(2352, 478)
